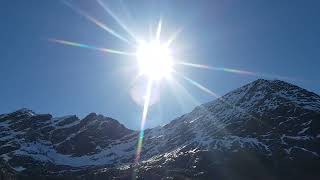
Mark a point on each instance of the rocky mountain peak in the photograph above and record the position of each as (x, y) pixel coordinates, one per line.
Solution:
(269, 125)
(22, 113)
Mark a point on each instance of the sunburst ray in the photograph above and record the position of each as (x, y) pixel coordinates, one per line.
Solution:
(98, 23)
(117, 19)
(173, 37)
(182, 95)
(237, 108)
(218, 124)
(143, 119)
(201, 87)
(76, 44)
(159, 30)
(203, 66)
(236, 71)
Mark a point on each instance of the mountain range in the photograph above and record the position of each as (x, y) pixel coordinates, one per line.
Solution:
(267, 129)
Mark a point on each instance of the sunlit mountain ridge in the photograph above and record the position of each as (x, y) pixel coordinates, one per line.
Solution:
(267, 129)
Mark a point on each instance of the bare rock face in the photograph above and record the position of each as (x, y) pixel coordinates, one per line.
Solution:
(263, 130)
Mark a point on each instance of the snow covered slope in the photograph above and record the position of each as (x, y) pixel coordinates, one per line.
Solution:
(272, 127)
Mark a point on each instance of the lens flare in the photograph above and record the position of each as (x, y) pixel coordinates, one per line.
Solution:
(155, 61)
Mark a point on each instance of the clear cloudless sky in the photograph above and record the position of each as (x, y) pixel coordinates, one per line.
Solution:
(277, 38)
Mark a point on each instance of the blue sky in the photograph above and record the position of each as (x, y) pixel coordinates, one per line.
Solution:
(278, 38)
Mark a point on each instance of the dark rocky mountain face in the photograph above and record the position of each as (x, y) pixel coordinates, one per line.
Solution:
(263, 130)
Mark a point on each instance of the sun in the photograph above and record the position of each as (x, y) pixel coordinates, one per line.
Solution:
(155, 60)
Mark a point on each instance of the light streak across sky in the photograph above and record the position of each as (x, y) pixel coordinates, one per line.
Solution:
(75, 44)
(97, 22)
(115, 17)
(159, 30)
(198, 85)
(235, 71)
(143, 120)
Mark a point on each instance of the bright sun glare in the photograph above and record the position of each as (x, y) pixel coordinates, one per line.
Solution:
(154, 60)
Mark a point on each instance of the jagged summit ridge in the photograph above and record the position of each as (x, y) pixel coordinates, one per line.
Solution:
(272, 121)
(66, 140)
(262, 90)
